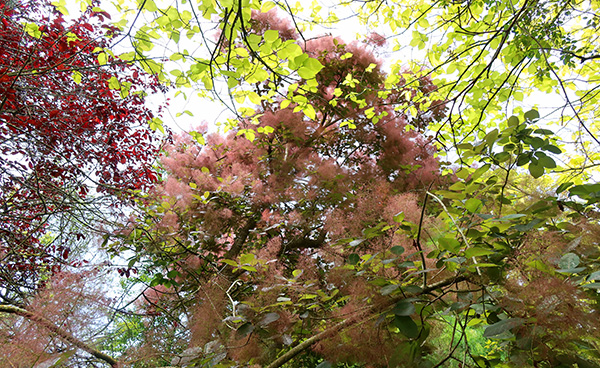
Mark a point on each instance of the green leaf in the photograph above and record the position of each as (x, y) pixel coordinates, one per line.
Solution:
(244, 330)
(539, 265)
(513, 121)
(297, 273)
(451, 195)
(149, 5)
(450, 244)
(324, 364)
(399, 217)
(586, 191)
(76, 76)
(568, 261)
(356, 242)
(512, 216)
(478, 252)
(353, 259)
(491, 137)
(532, 115)
(572, 270)
(552, 148)
(248, 258)
(271, 35)
(102, 58)
(404, 308)
(250, 135)
(536, 170)
(309, 111)
(158, 279)
(310, 68)
(198, 137)
(543, 132)
(502, 327)
(173, 274)
(268, 319)
(229, 262)
(306, 73)
(414, 289)
(473, 205)
(482, 170)
(528, 226)
(113, 83)
(407, 326)
(537, 143)
(397, 250)
(266, 6)
(502, 156)
(33, 30)
(388, 289)
(561, 188)
(523, 158)
(594, 276)
(547, 162)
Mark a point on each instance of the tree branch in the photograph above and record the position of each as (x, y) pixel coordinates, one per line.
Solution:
(357, 318)
(240, 238)
(64, 335)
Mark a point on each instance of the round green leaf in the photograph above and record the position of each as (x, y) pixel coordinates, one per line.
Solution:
(532, 115)
(536, 170)
(397, 250)
(548, 162)
(513, 121)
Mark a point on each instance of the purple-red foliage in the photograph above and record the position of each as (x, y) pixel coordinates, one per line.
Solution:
(66, 131)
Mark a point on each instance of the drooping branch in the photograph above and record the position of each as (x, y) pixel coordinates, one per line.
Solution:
(64, 335)
(357, 318)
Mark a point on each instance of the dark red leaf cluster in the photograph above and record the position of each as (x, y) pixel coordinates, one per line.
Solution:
(73, 125)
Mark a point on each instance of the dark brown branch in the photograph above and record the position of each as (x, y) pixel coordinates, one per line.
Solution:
(305, 242)
(240, 239)
(64, 335)
(582, 59)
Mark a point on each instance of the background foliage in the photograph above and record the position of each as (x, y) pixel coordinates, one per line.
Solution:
(359, 207)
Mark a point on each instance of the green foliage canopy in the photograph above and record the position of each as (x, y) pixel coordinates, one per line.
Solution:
(492, 64)
(252, 252)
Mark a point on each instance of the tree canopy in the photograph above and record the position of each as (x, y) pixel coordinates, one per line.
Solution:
(423, 196)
